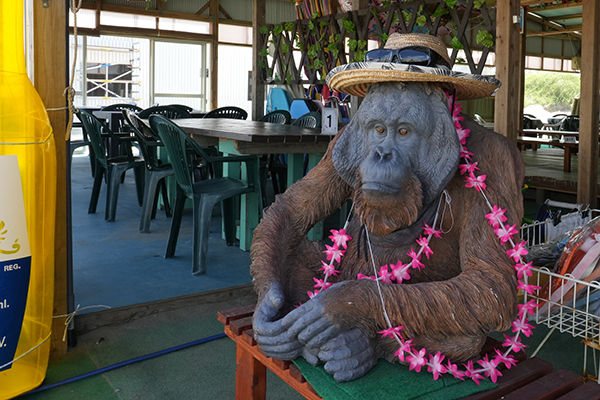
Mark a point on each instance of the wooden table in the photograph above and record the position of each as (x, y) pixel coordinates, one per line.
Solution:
(234, 136)
(569, 147)
(531, 379)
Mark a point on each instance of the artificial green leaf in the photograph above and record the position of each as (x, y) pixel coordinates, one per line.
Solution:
(285, 48)
(289, 26)
(421, 20)
(456, 43)
(324, 24)
(450, 3)
(263, 53)
(485, 38)
(359, 56)
(318, 64)
(478, 3)
(261, 64)
(288, 78)
(384, 37)
(264, 30)
(439, 12)
(349, 25)
(277, 30)
(407, 16)
(352, 43)
(362, 44)
(312, 53)
(311, 25)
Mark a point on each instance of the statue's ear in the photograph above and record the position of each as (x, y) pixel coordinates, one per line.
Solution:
(348, 152)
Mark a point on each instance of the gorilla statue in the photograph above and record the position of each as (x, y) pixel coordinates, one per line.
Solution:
(395, 160)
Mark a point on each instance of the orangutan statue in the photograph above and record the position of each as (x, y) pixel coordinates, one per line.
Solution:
(397, 161)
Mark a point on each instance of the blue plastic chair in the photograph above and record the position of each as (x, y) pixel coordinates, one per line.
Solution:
(113, 167)
(205, 194)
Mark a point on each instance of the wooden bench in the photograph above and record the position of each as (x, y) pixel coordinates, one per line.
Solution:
(569, 147)
(531, 379)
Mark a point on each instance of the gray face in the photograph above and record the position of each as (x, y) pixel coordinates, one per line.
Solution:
(400, 130)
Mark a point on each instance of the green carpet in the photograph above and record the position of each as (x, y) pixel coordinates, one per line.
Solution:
(390, 381)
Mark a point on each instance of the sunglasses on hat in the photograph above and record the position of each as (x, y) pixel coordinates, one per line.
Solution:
(416, 55)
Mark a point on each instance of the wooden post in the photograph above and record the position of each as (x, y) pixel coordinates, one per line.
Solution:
(523, 51)
(258, 84)
(506, 111)
(50, 79)
(213, 12)
(587, 187)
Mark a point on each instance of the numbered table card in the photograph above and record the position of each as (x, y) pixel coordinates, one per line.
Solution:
(15, 259)
(329, 120)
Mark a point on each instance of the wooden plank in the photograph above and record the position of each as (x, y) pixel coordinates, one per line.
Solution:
(50, 80)
(590, 104)
(522, 374)
(506, 109)
(588, 391)
(240, 325)
(547, 387)
(226, 316)
(250, 376)
(90, 321)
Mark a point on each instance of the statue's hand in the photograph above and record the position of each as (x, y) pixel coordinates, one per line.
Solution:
(269, 332)
(310, 325)
(348, 356)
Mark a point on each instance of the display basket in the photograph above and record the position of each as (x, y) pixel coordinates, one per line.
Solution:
(566, 303)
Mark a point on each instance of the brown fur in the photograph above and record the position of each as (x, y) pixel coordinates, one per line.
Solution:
(466, 290)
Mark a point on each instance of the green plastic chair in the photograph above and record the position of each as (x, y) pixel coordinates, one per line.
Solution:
(205, 193)
(156, 170)
(112, 167)
(277, 117)
(171, 112)
(227, 112)
(121, 107)
(309, 120)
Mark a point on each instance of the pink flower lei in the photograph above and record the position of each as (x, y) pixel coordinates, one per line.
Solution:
(400, 272)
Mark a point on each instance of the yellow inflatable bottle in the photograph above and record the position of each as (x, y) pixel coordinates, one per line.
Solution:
(27, 213)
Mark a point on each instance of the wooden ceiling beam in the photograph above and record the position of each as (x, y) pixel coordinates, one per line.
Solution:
(548, 7)
(565, 17)
(556, 27)
(553, 33)
(157, 13)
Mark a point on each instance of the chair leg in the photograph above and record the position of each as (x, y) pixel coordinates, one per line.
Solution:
(112, 193)
(175, 223)
(148, 202)
(203, 207)
(139, 173)
(96, 190)
(165, 197)
(229, 220)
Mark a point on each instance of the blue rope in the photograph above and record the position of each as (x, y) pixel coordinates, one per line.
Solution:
(128, 362)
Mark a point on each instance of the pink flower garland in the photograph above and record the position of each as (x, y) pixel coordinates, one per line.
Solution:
(401, 272)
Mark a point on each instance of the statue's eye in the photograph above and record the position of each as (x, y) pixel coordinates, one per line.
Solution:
(403, 131)
(380, 129)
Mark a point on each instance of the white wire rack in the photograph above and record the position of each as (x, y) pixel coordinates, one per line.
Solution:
(566, 304)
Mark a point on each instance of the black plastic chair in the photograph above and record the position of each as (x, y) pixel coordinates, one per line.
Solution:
(205, 193)
(171, 112)
(309, 120)
(156, 170)
(227, 112)
(113, 167)
(570, 123)
(277, 117)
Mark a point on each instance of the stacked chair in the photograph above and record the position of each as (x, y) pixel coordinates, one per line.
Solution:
(227, 112)
(156, 170)
(112, 167)
(205, 194)
(169, 111)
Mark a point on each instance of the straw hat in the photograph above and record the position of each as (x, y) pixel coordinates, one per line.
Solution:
(355, 78)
